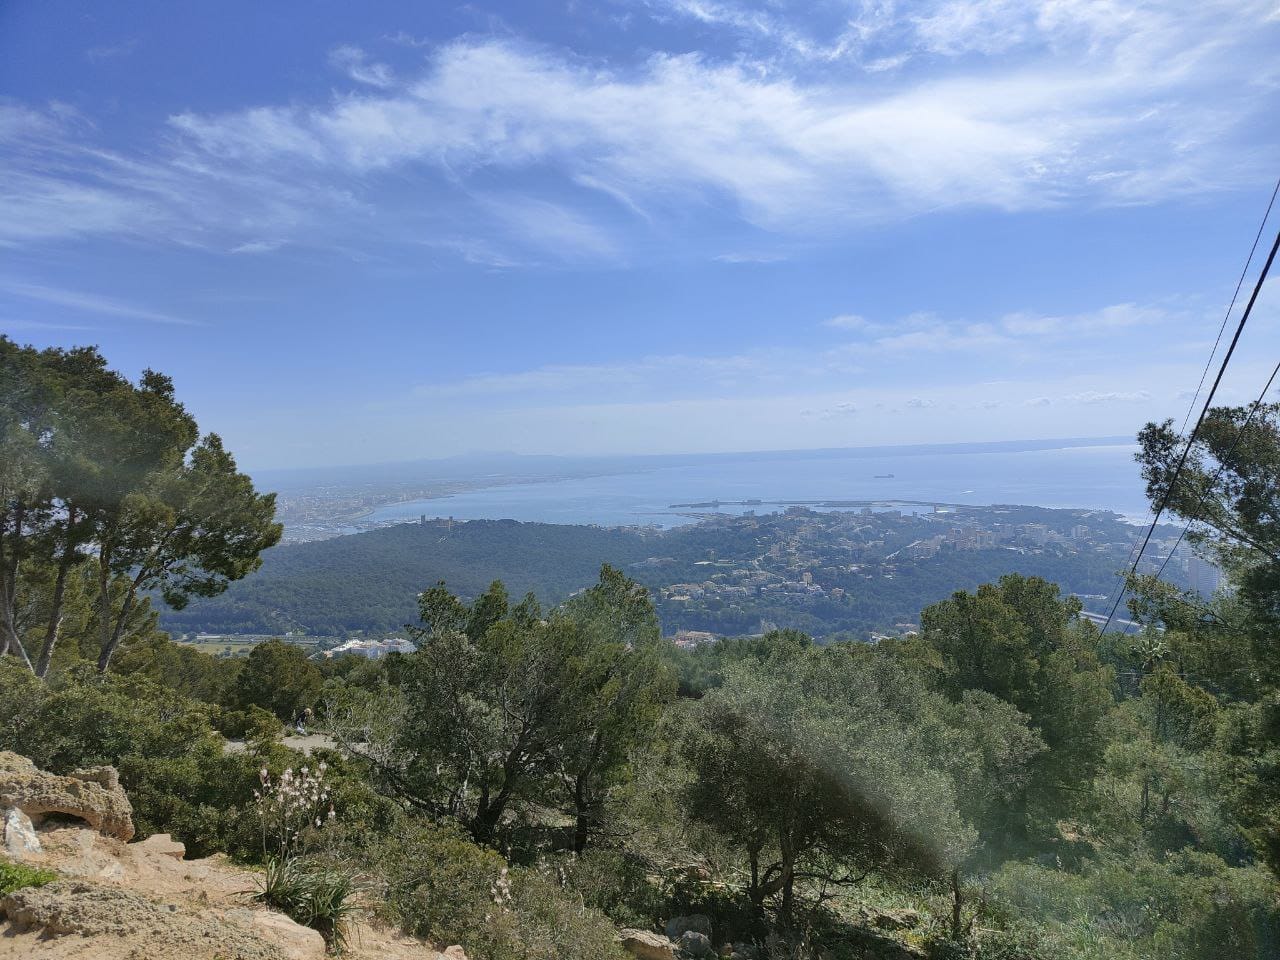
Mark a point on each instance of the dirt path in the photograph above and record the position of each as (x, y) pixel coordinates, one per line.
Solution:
(312, 741)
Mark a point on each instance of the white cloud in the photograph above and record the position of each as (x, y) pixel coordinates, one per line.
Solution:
(352, 61)
(1111, 396)
(848, 321)
(1128, 103)
(258, 246)
(90, 302)
(749, 258)
(1107, 318)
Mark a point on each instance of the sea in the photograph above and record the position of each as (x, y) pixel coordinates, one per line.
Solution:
(1088, 475)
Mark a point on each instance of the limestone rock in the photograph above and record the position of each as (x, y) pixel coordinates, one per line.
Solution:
(647, 945)
(20, 837)
(293, 940)
(93, 796)
(90, 910)
(163, 845)
(454, 953)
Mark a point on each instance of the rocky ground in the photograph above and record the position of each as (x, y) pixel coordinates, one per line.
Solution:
(116, 900)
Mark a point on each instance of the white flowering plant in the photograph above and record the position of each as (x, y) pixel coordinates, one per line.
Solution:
(291, 806)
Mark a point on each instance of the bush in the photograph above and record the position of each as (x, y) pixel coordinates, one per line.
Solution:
(442, 887)
(15, 876)
(314, 894)
(617, 883)
(1187, 906)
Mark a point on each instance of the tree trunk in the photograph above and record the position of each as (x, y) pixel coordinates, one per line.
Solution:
(113, 629)
(9, 635)
(584, 816)
(10, 559)
(787, 880)
(957, 906)
(104, 606)
(59, 591)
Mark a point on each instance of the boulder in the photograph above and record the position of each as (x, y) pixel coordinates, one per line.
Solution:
(694, 921)
(695, 945)
(162, 845)
(454, 953)
(647, 945)
(93, 795)
(20, 837)
(293, 940)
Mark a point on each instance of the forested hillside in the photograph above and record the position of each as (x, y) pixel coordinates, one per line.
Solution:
(823, 572)
(370, 581)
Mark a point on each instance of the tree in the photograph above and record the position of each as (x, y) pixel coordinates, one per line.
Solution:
(1019, 641)
(483, 704)
(1229, 492)
(25, 427)
(503, 705)
(196, 526)
(804, 765)
(91, 463)
(277, 676)
(619, 690)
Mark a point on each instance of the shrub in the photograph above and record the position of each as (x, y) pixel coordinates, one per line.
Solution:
(617, 883)
(440, 885)
(15, 876)
(443, 887)
(316, 895)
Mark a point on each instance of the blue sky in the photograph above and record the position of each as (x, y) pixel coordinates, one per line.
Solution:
(378, 231)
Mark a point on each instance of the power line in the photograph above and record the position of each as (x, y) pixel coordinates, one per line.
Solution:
(1235, 294)
(1186, 451)
(1231, 306)
(1222, 465)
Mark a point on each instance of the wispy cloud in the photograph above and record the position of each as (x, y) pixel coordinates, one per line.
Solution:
(258, 246)
(848, 321)
(879, 354)
(1120, 104)
(739, 257)
(111, 51)
(12, 325)
(88, 302)
(353, 62)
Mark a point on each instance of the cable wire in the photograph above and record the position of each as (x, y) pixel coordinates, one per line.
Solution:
(1222, 465)
(1235, 294)
(1186, 451)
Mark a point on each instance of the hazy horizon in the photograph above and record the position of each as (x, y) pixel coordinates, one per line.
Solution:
(494, 457)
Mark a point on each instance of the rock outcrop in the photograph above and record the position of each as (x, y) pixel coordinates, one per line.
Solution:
(92, 795)
(90, 910)
(647, 945)
(143, 901)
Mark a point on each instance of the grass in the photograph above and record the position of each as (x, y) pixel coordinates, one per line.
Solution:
(15, 876)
